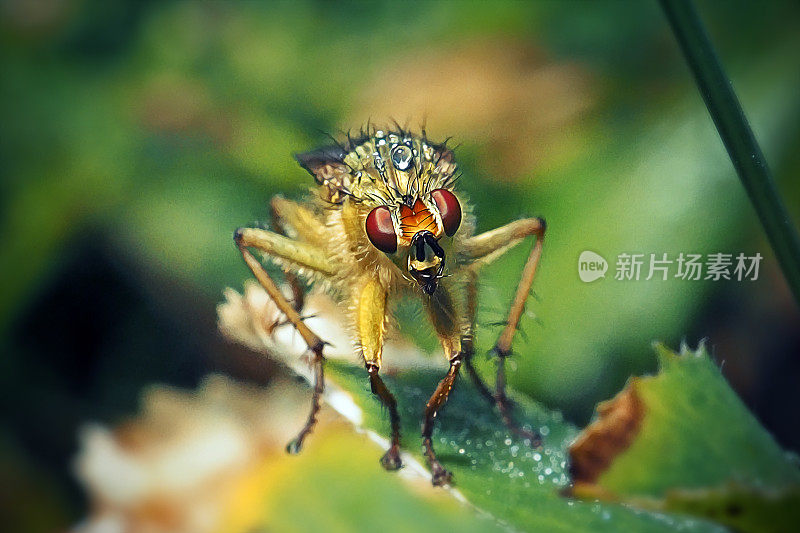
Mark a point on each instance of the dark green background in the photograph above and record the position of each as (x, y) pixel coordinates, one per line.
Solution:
(135, 137)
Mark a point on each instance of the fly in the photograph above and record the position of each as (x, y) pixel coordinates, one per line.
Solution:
(387, 223)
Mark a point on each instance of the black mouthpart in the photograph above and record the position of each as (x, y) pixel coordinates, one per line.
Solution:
(420, 239)
(428, 279)
(420, 247)
(434, 244)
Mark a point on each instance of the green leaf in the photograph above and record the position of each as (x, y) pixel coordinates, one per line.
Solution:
(695, 448)
(495, 473)
(499, 474)
(334, 486)
(696, 433)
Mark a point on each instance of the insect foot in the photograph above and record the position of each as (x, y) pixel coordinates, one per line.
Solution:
(391, 459)
(440, 476)
(294, 447)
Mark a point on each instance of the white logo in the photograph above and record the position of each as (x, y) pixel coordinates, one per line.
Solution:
(591, 266)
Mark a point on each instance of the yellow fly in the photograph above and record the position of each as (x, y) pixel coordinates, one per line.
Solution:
(387, 224)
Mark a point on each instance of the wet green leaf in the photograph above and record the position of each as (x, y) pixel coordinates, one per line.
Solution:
(499, 474)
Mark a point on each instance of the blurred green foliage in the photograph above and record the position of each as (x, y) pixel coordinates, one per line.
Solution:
(147, 132)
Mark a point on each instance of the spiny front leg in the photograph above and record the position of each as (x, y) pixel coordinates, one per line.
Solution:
(391, 459)
(260, 239)
(441, 476)
(371, 326)
(449, 325)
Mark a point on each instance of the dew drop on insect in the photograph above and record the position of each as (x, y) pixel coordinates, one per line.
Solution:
(402, 157)
(461, 450)
(537, 457)
(507, 442)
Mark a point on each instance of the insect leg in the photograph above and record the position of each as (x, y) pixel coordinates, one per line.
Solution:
(449, 327)
(285, 251)
(490, 245)
(503, 345)
(468, 340)
(281, 210)
(371, 328)
(391, 459)
(315, 344)
(437, 400)
(486, 247)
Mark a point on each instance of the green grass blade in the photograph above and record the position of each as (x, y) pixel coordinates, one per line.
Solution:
(746, 155)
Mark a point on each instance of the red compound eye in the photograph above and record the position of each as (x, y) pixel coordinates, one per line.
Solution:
(449, 208)
(380, 230)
